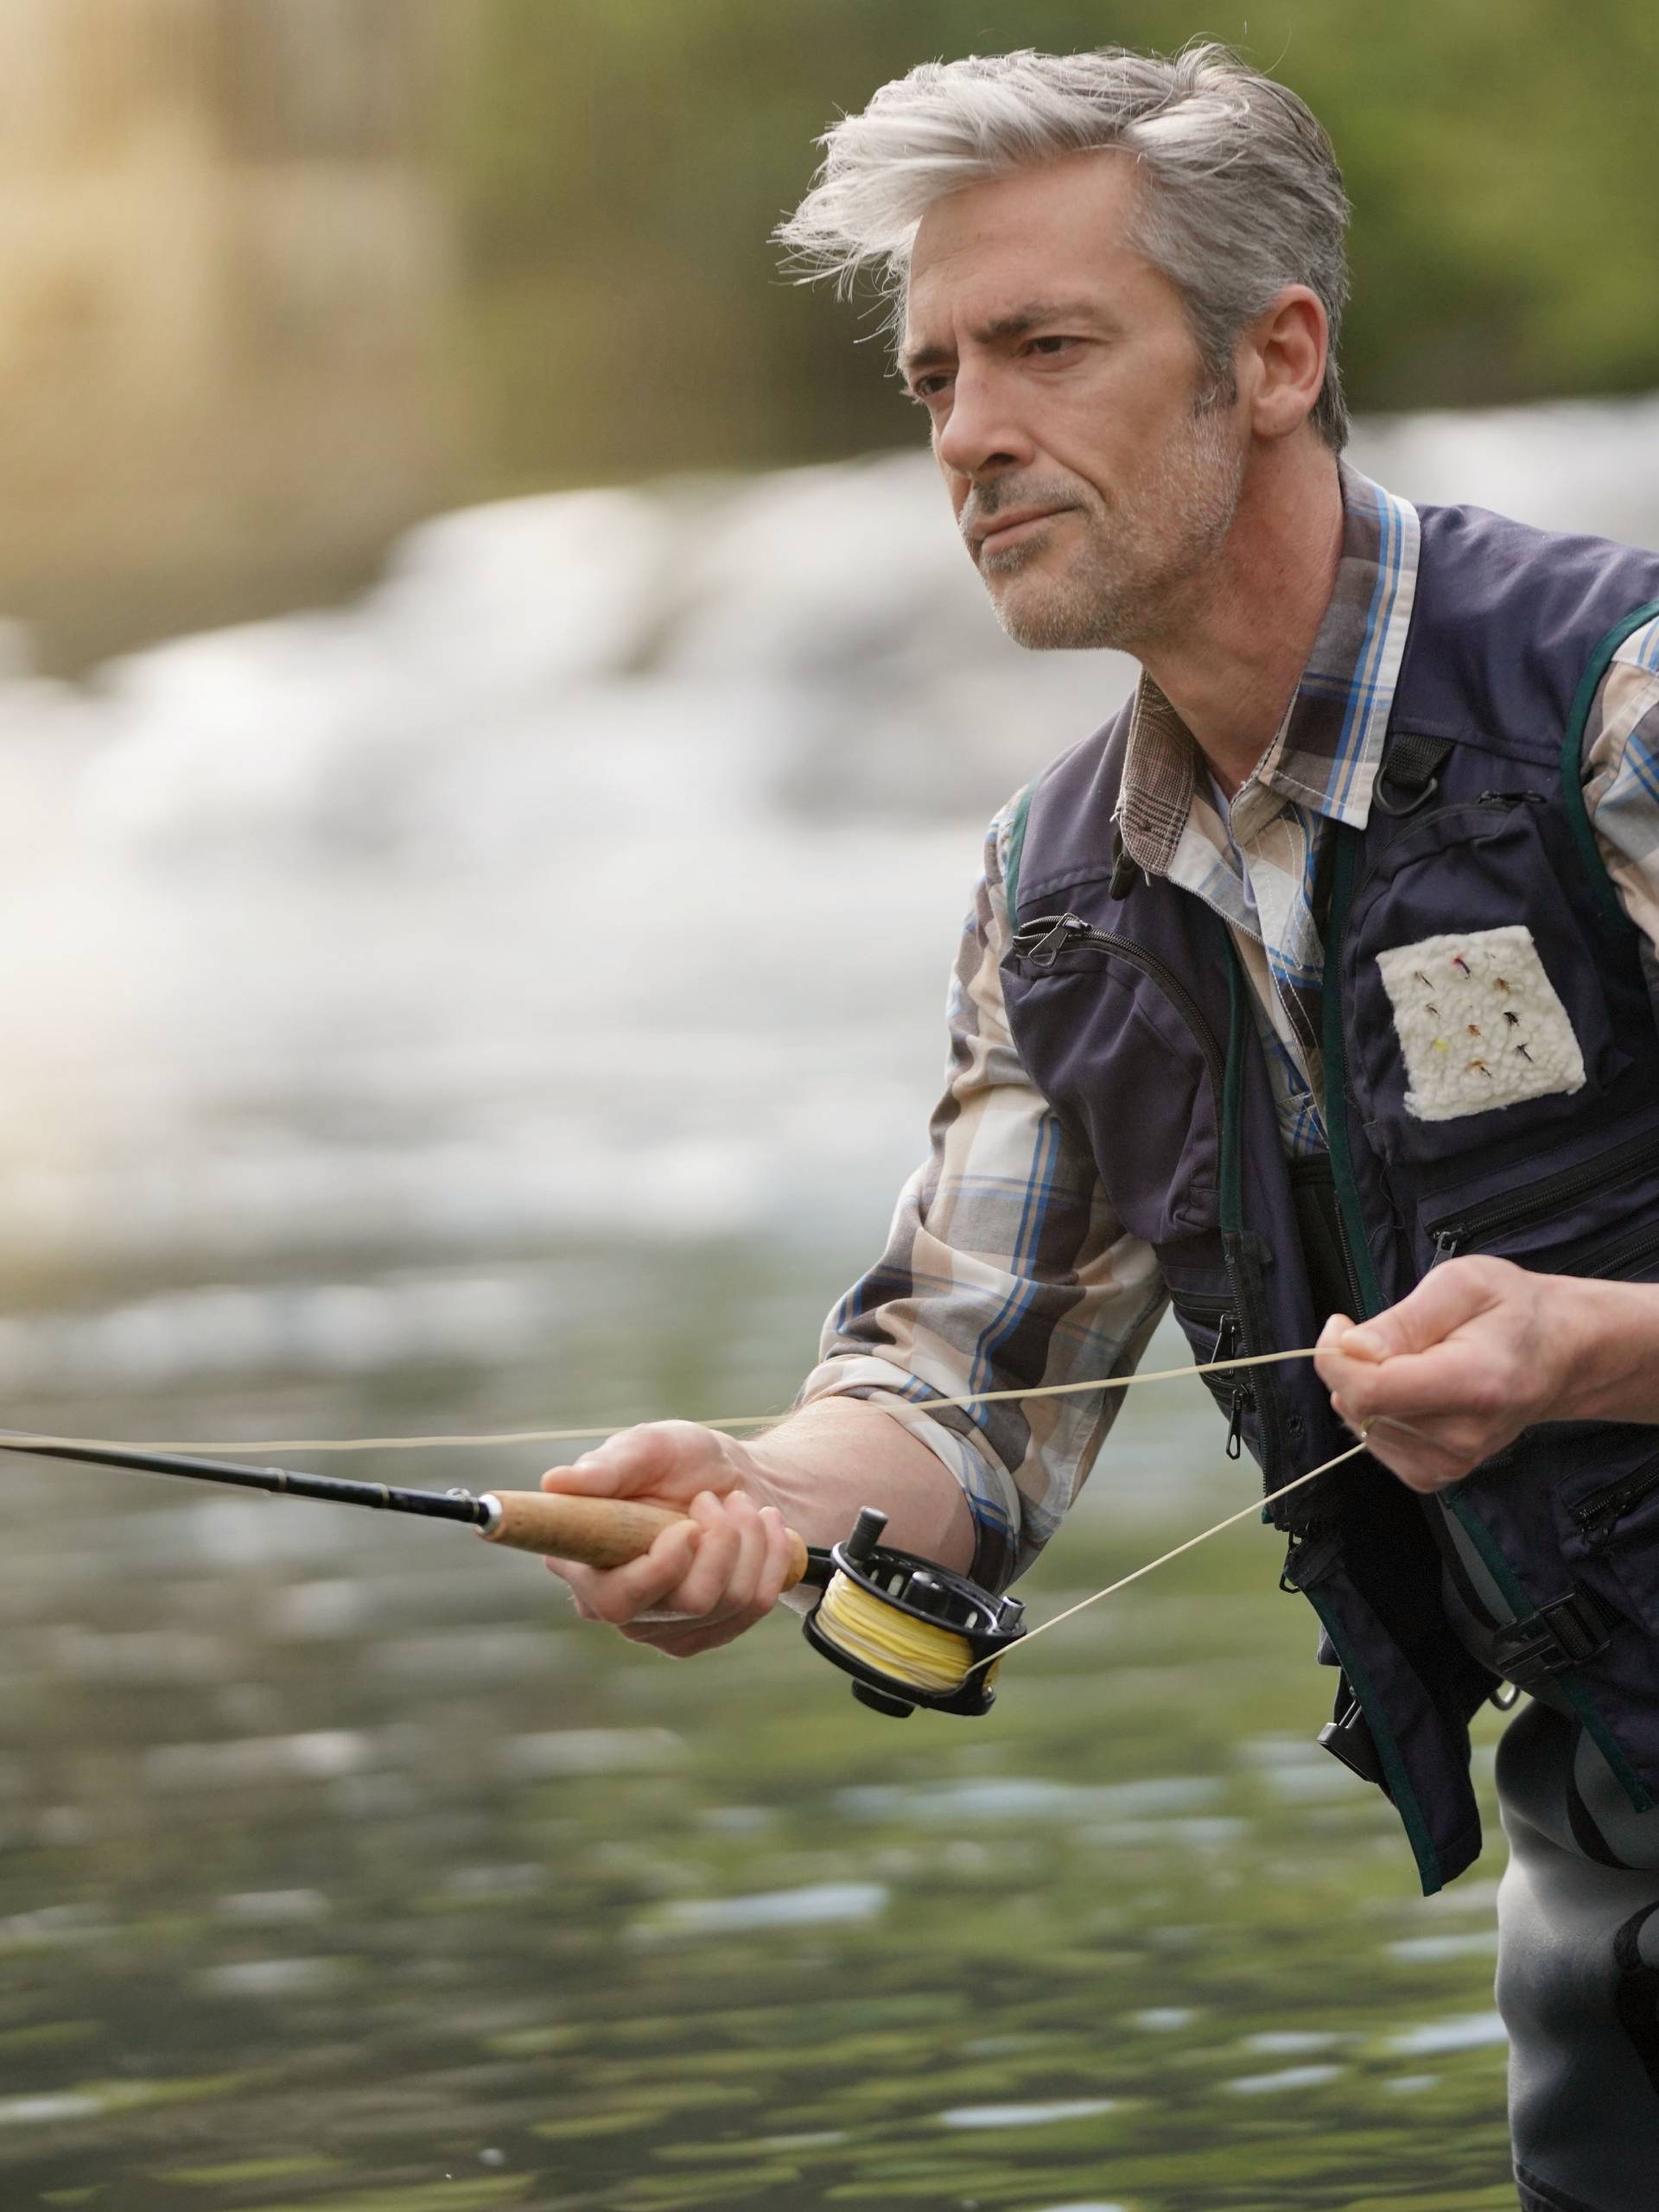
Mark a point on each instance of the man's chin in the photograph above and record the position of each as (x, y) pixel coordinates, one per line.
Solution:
(1044, 617)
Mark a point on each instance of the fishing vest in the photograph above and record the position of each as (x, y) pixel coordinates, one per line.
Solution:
(1491, 1072)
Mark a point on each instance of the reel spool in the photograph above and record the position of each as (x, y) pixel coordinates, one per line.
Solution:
(906, 1629)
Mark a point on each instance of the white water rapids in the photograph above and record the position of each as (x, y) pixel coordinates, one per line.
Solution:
(594, 877)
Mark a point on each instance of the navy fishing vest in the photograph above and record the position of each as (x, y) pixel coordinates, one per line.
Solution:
(1133, 1016)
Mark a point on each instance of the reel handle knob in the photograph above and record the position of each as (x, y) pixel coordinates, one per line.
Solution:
(867, 1531)
(597, 1531)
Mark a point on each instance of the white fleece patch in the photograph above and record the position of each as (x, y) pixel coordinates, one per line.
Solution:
(1479, 1022)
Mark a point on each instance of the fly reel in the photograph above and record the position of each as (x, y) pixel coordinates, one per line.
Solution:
(908, 1631)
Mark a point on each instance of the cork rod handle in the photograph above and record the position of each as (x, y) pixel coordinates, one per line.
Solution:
(598, 1531)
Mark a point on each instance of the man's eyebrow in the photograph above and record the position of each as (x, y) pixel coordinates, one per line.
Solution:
(1014, 324)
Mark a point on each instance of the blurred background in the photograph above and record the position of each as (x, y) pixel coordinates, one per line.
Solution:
(495, 736)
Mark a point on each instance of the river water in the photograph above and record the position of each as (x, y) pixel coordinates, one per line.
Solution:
(513, 999)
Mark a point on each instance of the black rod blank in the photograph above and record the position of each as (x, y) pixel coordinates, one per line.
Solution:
(279, 1482)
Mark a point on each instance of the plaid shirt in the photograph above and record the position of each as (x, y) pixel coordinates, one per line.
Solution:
(1006, 1221)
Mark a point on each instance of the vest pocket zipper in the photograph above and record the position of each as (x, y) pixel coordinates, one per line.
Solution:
(1598, 1514)
(1453, 1232)
(1229, 1346)
(1607, 1257)
(1041, 942)
(1240, 1398)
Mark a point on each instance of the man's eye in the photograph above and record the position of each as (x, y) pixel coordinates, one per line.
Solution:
(1051, 345)
(926, 387)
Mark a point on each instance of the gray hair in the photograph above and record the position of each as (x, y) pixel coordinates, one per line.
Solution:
(1241, 193)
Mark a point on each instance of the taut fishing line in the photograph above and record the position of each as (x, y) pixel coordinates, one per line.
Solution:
(1244, 1513)
(488, 1439)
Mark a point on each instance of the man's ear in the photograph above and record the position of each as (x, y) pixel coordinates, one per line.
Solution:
(1282, 356)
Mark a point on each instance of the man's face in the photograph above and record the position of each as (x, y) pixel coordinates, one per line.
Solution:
(1064, 386)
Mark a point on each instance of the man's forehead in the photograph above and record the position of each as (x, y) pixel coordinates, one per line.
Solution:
(1000, 254)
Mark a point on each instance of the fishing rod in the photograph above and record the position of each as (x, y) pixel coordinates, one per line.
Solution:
(527, 1521)
(909, 1631)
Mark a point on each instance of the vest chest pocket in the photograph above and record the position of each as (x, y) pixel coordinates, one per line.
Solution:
(1478, 1011)
(1121, 1046)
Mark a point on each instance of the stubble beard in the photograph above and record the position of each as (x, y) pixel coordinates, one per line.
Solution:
(1133, 578)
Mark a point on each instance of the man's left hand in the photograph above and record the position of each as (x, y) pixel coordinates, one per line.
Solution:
(1478, 1351)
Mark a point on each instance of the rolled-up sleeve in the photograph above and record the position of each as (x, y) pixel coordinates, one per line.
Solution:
(1621, 784)
(1005, 1269)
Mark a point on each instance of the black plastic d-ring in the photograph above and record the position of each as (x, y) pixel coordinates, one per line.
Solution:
(1408, 804)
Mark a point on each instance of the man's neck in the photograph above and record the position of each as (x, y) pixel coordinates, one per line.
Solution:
(1230, 663)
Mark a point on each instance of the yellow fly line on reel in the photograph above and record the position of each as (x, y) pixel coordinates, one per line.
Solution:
(893, 1645)
(909, 1631)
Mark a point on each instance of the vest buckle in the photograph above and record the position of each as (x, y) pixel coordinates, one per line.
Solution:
(1347, 1736)
(1564, 1633)
(1313, 1554)
(1410, 773)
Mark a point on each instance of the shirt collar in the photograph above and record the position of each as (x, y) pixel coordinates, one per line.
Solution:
(1327, 750)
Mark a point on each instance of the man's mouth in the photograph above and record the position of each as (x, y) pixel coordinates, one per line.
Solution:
(1009, 528)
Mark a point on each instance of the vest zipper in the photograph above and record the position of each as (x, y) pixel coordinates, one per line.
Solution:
(1041, 942)
(1350, 1272)
(1356, 1249)
(1453, 1231)
(1608, 1257)
(1596, 1514)
(1229, 1345)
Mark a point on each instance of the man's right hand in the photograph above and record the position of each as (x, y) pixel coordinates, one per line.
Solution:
(704, 1580)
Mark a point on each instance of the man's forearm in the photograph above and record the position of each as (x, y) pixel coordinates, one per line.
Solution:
(1612, 1355)
(823, 1463)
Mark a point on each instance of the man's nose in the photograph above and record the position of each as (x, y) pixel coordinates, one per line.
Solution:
(982, 435)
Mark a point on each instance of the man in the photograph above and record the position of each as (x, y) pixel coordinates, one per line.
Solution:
(1316, 983)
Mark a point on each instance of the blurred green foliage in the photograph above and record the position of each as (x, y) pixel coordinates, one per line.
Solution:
(618, 165)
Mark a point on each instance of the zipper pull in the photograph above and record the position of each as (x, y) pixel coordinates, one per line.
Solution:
(1049, 938)
(1235, 1426)
(1447, 1238)
(1228, 1339)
